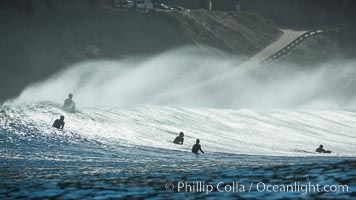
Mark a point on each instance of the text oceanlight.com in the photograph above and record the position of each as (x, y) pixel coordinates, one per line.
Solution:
(296, 187)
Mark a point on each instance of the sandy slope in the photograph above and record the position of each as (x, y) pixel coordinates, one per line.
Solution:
(287, 37)
(253, 63)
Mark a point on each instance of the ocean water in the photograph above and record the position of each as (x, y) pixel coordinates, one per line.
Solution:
(127, 152)
(119, 143)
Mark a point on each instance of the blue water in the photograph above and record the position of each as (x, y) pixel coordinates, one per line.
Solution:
(89, 160)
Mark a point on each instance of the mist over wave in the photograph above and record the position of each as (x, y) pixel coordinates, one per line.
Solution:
(175, 77)
(269, 104)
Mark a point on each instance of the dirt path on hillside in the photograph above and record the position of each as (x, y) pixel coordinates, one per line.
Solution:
(252, 63)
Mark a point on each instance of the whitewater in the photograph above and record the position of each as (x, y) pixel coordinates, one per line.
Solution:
(275, 110)
(242, 131)
(259, 124)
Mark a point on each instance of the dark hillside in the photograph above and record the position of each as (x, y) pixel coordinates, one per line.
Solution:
(39, 37)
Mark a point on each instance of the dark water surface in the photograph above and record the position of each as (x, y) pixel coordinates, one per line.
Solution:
(160, 174)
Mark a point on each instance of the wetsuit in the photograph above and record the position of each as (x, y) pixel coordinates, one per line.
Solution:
(178, 140)
(319, 150)
(69, 105)
(197, 148)
(58, 124)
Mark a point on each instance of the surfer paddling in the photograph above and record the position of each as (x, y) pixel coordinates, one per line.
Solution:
(179, 139)
(59, 123)
(322, 150)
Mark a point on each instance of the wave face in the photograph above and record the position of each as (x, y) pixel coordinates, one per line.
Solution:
(128, 152)
(269, 132)
(273, 110)
(119, 143)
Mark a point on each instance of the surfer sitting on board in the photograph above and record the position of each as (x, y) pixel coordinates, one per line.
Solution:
(59, 123)
(197, 147)
(69, 105)
(322, 150)
(179, 139)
